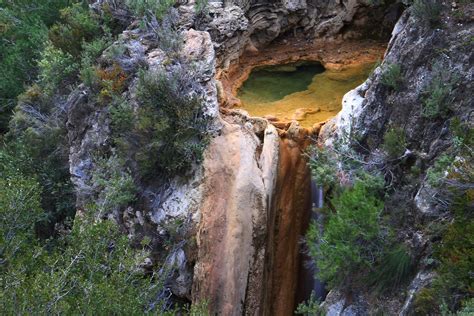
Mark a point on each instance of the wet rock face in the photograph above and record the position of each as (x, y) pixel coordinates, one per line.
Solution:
(238, 184)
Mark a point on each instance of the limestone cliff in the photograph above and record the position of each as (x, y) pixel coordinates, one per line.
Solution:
(246, 205)
(424, 53)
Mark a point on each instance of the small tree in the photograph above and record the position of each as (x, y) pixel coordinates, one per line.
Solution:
(391, 76)
(351, 242)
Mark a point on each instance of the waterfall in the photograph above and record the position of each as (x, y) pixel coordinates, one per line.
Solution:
(317, 202)
(307, 282)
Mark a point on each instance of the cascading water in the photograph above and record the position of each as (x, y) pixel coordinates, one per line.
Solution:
(307, 281)
(317, 201)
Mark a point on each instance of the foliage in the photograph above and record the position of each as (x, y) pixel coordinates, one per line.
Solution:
(425, 302)
(20, 211)
(435, 101)
(77, 25)
(121, 116)
(91, 271)
(201, 7)
(391, 76)
(169, 35)
(55, 67)
(157, 8)
(352, 241)
(468, 308)
(114, 184)
(427, 10)
(23, 28)
(199, 309)
(439, 170)
(323, 166)
(111, 82)
(394, 142)
(37, 141)
(455, 256)
(310, 307)
(170, 122)
(394, 270)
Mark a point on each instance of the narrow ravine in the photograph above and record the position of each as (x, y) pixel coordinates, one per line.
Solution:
(296, 91)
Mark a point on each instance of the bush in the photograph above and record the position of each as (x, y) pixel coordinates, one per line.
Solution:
(77, 25)
(114, 185)
(394, 142)
(24, 31)
(323, 166)
(394, 270)
(435, 102)
(38, 139)
(439, 170)
(427, 10)
(310, 307)
(158, 8)
(93, 271)
(20, 211)
(56, 68)
(201, 7)
(455, 254)
(170, 122)
(351, 242)
(391, 76)
(111, 82)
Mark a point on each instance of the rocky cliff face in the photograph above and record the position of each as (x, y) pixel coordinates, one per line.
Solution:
(247, 204)
(424, 54)
(238, 26)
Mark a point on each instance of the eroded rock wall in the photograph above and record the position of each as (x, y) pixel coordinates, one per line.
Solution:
(238, 26)
(239, 173)
(248, 200)
(424, 53)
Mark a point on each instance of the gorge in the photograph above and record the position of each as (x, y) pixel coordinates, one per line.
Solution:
(208, 132)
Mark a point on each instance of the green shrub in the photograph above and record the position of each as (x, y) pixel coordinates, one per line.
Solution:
(456, 255)
(323, 166)
(37, 136)
(310, 307)
(114, 184)
(391, 76)
(427, 10)
(24, 30)
(351, 242)
(20, 211)
(394, 142)
(92, 272)
(201, 7)
(394, 270)
(158, 8)
(435, 102)
(122, 117)
(170, 122)
(77, 25)
(468, 308)
(439, 170)
(56, 67)
(426, 302)
(453, 284)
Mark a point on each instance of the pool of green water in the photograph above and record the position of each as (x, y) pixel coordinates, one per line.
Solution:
(305, 91)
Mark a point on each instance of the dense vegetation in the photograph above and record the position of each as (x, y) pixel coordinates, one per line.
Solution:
(356, 246)
(52, 260)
